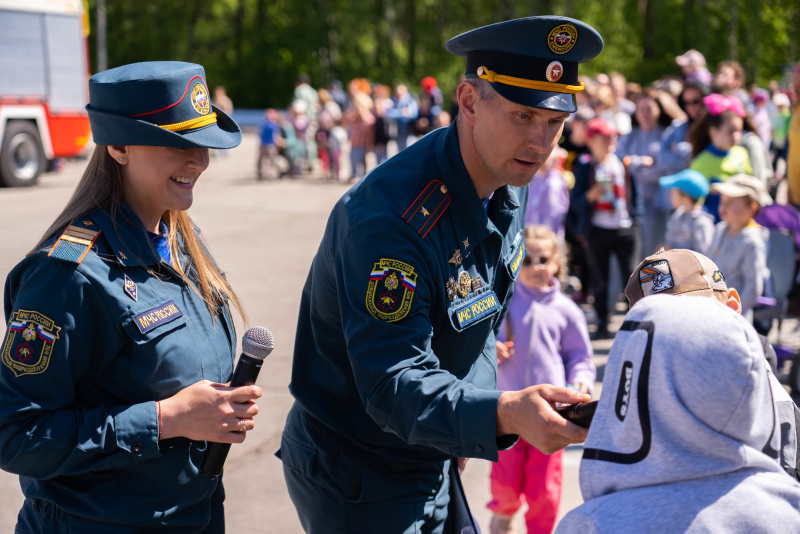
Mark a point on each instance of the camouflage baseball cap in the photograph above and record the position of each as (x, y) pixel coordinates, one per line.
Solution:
(675, 272)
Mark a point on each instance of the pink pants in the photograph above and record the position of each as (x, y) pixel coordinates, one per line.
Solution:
(524, 474)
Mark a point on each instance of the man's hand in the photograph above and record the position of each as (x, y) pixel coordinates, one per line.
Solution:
(531, 414)
(504, 351)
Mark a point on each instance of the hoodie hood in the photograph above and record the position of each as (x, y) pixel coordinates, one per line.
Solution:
(685, 396)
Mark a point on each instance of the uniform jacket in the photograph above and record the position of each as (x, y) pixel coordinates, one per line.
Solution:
(84, 363)
(383, 357)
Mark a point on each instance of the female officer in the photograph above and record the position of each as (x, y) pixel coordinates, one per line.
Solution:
(119, 328)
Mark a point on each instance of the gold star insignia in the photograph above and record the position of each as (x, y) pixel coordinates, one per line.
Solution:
(88, 223)
(456, 258)
(466, 243)
(424, 211)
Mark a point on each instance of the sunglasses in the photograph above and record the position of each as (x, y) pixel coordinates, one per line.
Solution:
(537, 260)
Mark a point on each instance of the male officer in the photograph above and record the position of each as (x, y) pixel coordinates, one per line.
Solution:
(395, 357)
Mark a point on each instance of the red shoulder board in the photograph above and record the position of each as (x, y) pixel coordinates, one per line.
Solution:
(424, 212)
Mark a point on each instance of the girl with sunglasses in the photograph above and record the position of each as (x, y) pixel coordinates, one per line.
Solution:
(544, 339)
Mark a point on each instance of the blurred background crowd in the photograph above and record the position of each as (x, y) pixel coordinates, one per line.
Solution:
(607, 190)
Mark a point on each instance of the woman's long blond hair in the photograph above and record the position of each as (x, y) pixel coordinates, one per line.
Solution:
(101, 188)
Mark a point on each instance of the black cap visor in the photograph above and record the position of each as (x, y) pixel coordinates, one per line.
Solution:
(537, 99)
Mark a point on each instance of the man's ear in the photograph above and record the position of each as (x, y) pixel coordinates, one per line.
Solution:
(467, 96)
(734, 302)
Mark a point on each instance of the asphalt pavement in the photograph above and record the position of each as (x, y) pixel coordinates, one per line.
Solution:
(264, 235)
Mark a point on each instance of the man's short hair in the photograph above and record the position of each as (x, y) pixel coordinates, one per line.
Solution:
(484, 88)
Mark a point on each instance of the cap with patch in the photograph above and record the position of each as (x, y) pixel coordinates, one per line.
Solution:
(744, 185)
(675, 272)
(531, 61)
(690, 181)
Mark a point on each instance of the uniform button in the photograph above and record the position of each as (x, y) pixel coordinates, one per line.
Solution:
(478, 449)
(137, 447)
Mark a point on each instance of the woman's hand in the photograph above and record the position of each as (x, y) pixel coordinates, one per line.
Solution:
(207, 411)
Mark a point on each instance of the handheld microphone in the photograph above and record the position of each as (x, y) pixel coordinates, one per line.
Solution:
(581, 413)
(257, 343)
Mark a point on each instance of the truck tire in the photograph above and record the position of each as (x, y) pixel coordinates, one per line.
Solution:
(21, 156)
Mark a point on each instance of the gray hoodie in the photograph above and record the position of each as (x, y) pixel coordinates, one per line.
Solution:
(685, 436)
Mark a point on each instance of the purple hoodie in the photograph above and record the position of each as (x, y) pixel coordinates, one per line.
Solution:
(555, 349)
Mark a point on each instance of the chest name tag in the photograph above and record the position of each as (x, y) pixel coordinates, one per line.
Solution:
(516, 263)
(157, 316)
(477, 309)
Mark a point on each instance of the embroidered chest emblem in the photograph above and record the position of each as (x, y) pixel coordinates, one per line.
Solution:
(155, 317)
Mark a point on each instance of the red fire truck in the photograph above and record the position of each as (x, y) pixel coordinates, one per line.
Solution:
(44, 69)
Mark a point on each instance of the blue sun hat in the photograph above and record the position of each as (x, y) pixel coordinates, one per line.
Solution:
(531, 61)
(690, 181)
(158, 103)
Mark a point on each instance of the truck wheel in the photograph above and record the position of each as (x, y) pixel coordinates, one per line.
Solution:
(21, 156)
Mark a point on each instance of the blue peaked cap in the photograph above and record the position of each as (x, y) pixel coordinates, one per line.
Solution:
(532, 61)
(690, 181)
(158, 103)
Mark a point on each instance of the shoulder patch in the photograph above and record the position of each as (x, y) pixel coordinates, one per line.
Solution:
(427, 208)
(391, 289)
(29, 343)
(75, 242)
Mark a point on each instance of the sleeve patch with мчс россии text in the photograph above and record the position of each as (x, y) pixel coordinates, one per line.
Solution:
(29, 342)
(391, 289)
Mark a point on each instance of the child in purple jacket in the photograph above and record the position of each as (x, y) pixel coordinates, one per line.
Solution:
(543, 339)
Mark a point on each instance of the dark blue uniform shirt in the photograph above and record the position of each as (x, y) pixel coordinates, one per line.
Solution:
(395, 350)
(91, 347)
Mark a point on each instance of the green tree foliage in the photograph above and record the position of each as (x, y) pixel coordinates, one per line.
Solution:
(256, 48)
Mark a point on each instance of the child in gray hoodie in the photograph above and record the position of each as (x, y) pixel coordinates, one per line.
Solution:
(682, 444)
(739, 243)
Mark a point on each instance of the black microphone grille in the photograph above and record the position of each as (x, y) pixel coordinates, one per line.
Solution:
(258, 342)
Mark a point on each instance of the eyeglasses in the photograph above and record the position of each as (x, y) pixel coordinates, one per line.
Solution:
(538, 261)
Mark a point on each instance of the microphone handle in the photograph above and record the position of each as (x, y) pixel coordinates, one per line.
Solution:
(245, 374)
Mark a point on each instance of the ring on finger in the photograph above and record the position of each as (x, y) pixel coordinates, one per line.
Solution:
(242, 426)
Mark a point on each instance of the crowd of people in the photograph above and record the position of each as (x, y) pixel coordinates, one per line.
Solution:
(615, 190)
(367, 117)
(689, 162)
(393, 373)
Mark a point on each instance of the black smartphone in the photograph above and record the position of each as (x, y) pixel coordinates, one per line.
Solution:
(581, 413)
